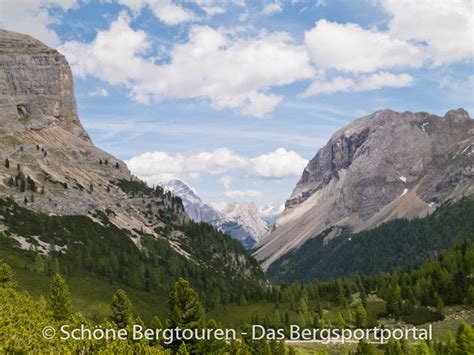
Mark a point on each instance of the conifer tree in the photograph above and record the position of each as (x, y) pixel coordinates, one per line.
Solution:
(59, 301)
(6, 275)
(364, 348)
(121, 308)
(182, 350)
(184, 306)
(361, 316)
(242, 301)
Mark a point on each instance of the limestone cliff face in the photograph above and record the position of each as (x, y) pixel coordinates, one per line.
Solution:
(49, 164)
(36, 87)
(43, 140)
(383, 166)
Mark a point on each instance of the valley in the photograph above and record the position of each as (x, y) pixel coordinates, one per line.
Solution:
(378, 232)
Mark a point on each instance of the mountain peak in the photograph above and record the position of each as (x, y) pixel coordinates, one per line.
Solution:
(379, 167)
(182, 189)
(37, 87)
(459, 114)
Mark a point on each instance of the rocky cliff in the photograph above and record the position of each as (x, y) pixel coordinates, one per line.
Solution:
(196, 209)
(53, 165)
(380, 167)
(50, 165)
(240, 220)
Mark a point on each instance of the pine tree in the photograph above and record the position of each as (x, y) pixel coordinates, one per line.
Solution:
(364, 348)
(340, 321)
(393, 348)
(182, 350)
(7, 163)
(121, 308)
(465, 339)
(59, 301)
(39, 264)
(440, 305)
(422, 348)
(361, 316)
(6, 275)
(303, 306)
(185, 308)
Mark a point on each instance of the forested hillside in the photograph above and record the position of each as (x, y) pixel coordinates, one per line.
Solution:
(417, 297)
(397, 244)
(82, 245)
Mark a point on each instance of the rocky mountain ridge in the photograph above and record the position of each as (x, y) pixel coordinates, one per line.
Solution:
(240, 220)
(50, 165)
(380, 167)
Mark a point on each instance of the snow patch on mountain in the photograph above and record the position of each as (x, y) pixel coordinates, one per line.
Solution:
(269, 213)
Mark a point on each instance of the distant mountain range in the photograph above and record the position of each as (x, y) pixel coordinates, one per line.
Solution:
(241, 220)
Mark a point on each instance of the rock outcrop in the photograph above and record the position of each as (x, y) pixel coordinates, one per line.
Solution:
(380, 167)
(48, 162)
(240, 220)
(36, 87)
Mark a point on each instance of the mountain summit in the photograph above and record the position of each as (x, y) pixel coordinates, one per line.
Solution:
(51, 168)
(380, 167)
(240, 220)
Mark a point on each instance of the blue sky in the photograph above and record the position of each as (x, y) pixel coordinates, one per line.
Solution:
(235, 97)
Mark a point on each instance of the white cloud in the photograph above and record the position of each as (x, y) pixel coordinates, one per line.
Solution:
(242, 193)
(230, 71)
(98, 92)
(363, 83)
(320, 3)
(164, 10)
(157, 166)
(211, 7)
(277, 164)
(337, 84)
(383, 79)
(350, 48)
(113, 56)
(225, 181)
(272, 8)
(173, 13)
(33, 17)
(445, 27)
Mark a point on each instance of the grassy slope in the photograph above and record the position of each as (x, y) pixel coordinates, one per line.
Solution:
(90, 294)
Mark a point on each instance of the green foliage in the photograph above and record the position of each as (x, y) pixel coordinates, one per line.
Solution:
(6, 276)
(465, 339)
(186, 310)
(121, 309)
(396, 244)
(59, 301)
(364, 348)
(107, 252)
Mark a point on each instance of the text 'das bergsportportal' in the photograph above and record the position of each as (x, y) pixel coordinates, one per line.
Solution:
(293, 333)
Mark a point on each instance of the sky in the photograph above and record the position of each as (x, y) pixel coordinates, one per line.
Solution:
(235, 97)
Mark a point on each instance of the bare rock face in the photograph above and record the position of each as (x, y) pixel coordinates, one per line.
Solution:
(380, 167)
(36, 87)
(48, 162)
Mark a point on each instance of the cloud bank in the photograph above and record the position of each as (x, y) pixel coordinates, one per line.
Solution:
(158, 166)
